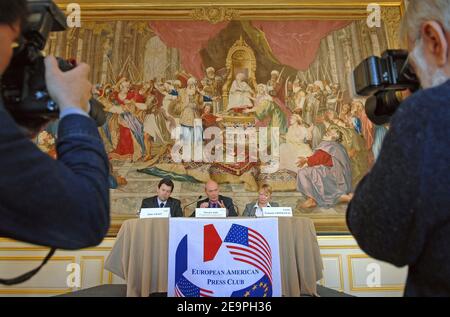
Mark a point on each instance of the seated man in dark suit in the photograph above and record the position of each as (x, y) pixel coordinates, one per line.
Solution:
(163, 199)
(254, 209)
(214, 200)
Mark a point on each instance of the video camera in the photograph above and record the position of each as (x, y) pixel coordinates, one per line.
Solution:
(24, 89)
(23, 84)
(383, 79)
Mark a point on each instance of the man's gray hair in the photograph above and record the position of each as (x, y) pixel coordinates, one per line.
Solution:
(420, 11)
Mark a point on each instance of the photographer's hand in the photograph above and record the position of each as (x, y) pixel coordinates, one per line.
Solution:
(68, 89)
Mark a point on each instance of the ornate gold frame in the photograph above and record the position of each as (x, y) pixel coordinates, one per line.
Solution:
(226, 10)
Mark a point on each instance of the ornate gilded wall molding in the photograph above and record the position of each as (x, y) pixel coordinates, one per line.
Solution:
(214, 14)
(226, 10)
(106, 20)
(391, 17)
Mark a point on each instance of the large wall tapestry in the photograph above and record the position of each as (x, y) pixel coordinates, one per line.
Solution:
(158, 77)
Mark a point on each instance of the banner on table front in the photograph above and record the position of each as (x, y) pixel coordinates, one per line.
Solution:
(224, 258)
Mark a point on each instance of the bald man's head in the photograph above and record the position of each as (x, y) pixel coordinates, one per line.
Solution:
(212, 190)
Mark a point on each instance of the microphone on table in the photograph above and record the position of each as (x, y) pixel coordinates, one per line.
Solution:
(237, 209)
(199, 198)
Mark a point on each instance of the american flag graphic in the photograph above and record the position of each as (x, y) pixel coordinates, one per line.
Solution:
(184, 288)
(249, 246)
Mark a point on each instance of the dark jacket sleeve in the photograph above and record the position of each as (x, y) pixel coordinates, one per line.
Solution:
(147, 203)
(230, 207)
(177, 211)
(384, 214)
(197, 205)
(60, 203)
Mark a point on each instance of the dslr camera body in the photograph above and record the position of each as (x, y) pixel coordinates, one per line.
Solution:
(383, 79)
(23, 88)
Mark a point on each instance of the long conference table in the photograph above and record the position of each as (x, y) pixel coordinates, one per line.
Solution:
(140, 256)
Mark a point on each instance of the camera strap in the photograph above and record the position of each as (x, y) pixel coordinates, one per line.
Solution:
(25, 277)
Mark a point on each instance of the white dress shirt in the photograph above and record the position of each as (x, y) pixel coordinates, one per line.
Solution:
(259, 211)
(162, 202)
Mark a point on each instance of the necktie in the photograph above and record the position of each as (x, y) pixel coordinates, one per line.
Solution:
(213, 205)
(161, 205)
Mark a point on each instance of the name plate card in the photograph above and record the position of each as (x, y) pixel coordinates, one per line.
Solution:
(210, 213)
(154, 213)
(277, 212)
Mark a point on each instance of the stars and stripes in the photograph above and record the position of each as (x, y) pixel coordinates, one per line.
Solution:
(184, 288)
(249, 246)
